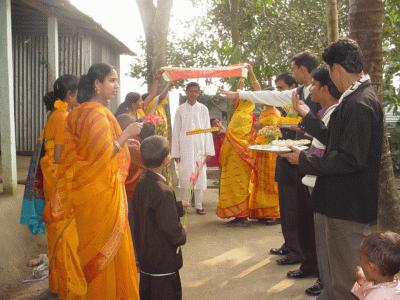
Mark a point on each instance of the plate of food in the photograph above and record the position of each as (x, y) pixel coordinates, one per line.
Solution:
(291, 142)
(201, 130)
(275, 148)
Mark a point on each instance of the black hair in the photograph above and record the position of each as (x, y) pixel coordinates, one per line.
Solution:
(212, 119)
(130, 99)
(64, 84)
(346, 53)
(192, 84)
(86, 88)
(144, 96)
(124, 120)
(383, 249)
(322, 76)
(287, 78)
(308, 59)
(148, 129)
(154, 150)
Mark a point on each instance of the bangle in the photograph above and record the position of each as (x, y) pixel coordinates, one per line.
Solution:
(241, 79)
(117, 145)
(255, 81)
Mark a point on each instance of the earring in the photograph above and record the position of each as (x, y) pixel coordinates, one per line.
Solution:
(97, 90)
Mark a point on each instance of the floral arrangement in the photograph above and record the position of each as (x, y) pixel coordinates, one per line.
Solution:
(267, 134)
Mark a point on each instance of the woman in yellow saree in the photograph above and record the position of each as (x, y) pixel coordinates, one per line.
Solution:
(237, 162)
(95, 163)
(65, 276)
(264, 201)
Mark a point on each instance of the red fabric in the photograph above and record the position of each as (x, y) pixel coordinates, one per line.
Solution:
(176, 74)
(214, 160)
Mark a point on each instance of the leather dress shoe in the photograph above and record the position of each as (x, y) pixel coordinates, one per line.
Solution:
(299, 274)
(278, 251)
(287, 261)
(316, 289)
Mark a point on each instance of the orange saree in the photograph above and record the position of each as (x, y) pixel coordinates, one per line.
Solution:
(66, 276)
(264, 201)
(93, 182)
(237, 162)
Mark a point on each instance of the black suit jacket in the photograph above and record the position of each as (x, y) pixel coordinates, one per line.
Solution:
(347, 186)
(157, 229)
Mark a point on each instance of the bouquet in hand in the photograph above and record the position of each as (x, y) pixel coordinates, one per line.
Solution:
(267, 134)
(290, 112)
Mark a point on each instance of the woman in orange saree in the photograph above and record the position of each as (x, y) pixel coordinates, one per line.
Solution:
(95, 163)
(65, 276)
(237, 162)
(264, 201)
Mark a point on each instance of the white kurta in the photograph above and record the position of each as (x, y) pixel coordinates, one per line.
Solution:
(186, 147)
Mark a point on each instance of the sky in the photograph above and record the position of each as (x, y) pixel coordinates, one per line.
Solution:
(122, 19)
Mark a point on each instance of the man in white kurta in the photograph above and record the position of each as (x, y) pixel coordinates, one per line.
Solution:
(185, 148)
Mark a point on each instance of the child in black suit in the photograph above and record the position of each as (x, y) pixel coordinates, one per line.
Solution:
(158, 232)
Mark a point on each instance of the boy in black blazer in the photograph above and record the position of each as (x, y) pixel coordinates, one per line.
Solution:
(158, 232)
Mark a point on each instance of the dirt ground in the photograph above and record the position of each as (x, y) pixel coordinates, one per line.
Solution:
(220, 262)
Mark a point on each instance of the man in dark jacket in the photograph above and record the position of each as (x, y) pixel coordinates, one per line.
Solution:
(158, 232)
(347, 186)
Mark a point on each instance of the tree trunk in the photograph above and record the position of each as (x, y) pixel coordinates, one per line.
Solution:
(332, 20)
(234, 8)
(155, 24)
(365, 25)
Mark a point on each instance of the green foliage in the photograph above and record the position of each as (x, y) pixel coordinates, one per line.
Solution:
(391, 53)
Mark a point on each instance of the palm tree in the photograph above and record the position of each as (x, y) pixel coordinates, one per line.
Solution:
(365, 24)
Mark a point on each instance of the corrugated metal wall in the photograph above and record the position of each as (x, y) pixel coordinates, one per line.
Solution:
(30, 82)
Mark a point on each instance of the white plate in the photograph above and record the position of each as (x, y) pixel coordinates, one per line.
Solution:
(274, 148)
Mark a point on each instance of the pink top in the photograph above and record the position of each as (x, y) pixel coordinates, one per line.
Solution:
(382, 291)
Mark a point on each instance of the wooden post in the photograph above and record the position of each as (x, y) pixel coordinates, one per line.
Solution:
(8, 150)
(52, 52)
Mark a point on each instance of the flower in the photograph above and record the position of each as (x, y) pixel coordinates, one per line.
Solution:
(58, 104)
(150, 118)
(270, 132)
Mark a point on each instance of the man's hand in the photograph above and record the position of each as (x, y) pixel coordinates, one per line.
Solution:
(228, 94)
(298, 105)
(292, 157)
(177, 160)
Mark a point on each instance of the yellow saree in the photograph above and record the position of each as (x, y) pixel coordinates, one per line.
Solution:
(66, 276)
(92, 181)
(264, 201)
(237, 163)
(161, 128)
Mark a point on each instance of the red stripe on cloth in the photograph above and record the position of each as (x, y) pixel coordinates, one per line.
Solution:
(175, 74)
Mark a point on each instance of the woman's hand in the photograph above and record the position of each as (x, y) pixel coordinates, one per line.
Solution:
(158, 74)
(134, 129)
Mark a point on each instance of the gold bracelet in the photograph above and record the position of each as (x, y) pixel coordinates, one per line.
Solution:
(241, 79)
(255, 81)
(117, 145)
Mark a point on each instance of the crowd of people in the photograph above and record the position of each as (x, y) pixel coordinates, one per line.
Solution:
(111, 212)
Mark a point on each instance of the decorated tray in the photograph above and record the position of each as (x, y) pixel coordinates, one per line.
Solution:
(200, 130)
(275, 148)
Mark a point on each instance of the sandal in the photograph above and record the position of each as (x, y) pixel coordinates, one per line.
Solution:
(238, 222)
(200, 211)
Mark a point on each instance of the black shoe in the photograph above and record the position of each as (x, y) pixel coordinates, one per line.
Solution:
(299, 274)
(287, 261)
(279, 251)
(316, 289)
